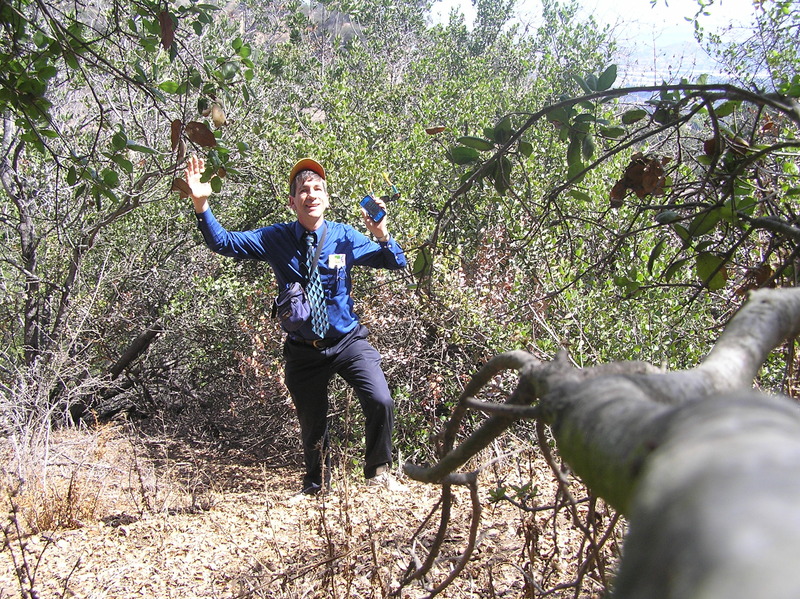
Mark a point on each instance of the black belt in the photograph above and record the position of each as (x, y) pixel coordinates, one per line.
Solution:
(317, 343)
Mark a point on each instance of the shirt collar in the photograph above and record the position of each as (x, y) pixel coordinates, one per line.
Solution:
(300, 231)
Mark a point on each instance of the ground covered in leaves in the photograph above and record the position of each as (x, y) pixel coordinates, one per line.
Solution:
(118, 515)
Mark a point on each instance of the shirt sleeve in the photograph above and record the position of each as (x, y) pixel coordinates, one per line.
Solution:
(233, 244)
(387, 254)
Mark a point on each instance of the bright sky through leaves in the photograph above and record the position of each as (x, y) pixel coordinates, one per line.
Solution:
(657, 42)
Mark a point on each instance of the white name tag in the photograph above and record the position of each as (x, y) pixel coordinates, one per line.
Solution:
(336, 261)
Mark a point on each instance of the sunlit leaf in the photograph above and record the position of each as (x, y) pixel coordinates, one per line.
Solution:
(229, 70)
(171, 87)
(607, 78)
(582, 83)
(217, 115)
(422, 263)
(141, 148)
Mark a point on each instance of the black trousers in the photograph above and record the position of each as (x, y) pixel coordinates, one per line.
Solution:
(309, 371)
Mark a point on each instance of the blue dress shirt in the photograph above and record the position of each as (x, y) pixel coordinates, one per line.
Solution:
(282, 245)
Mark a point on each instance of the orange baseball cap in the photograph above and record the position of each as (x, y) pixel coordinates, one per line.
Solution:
(306, 164)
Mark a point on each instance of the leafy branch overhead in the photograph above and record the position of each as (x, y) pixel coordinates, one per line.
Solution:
(708, 195)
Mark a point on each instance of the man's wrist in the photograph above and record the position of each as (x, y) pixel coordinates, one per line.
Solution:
(383, 239)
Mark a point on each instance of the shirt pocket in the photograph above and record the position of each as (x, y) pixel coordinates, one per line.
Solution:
(339, 280)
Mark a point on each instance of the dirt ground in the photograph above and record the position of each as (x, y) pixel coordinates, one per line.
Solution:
(166, 519)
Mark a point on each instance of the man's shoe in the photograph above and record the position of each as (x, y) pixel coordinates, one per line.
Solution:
(387, 480)
(311, 489)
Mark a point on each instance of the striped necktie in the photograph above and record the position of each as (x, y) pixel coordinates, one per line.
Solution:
(319, 312)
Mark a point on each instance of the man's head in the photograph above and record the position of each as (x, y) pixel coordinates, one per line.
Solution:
(300, 168)
(308, 192)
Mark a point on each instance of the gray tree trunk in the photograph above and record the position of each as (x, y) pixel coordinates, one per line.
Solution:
(704, 468)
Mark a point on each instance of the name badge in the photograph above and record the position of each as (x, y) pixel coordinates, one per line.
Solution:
(336, 261)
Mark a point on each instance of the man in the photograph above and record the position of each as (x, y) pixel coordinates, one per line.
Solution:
(337, 345)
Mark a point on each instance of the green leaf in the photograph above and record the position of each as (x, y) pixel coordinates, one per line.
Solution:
(110, 178)
(588, 147)
(612, 132)
(655, 254)
(422, 263)
(632, 116)
(141, 148)
(462, 155)
(667, 217)
(525, 148)
(71, 60)
(502, 175)
(726, 108)
(229, 70)
(673, 268)
(580, 195)
(607, 78)
(171, 87)
(502, 130)
(125, 164)
(682, 232)
(711, 270)
(582, 83)
(574, 172)
(704, 222)
(119, 141)
(574, 150)
(475, 142)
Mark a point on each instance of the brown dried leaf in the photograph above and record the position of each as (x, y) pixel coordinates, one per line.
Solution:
(217, 115)
(653, 178)
(435, 130)
(175, 133)
(200, 134)
(182, 187)
(618, 193)
(167, 24)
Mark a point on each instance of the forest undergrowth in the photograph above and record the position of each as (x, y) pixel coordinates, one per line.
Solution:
(140, 511)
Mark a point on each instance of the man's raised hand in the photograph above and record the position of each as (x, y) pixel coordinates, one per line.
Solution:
(200, 190)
